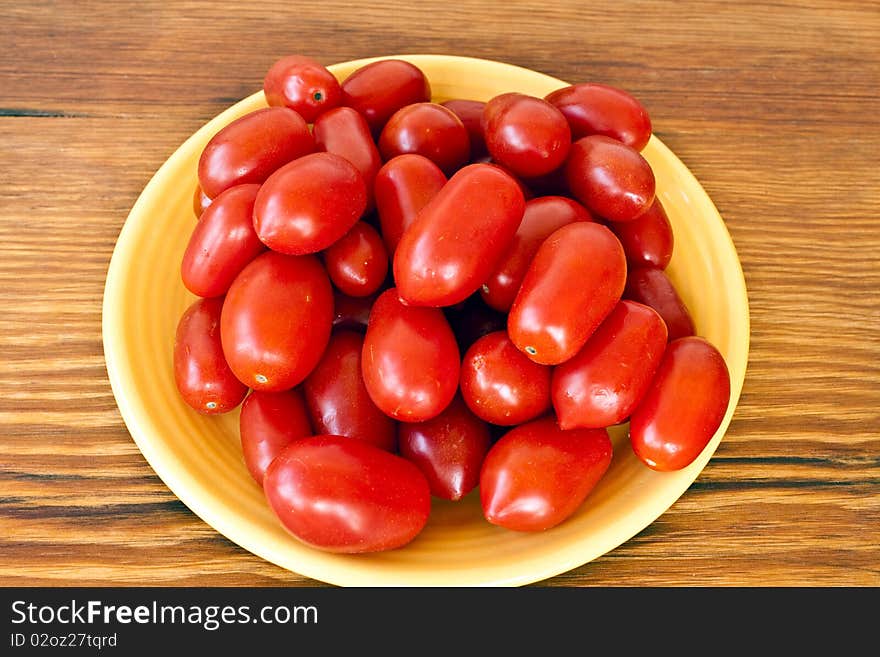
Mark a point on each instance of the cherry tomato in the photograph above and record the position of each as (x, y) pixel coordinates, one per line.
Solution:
(602, 384)
(268, 423)
(338, 400)
(470, 112)
(403, 186)
(358, 262)
(200, 201)
(222, 243)
(500, 384)
(276, 320)
(449, 449)
(410, 359)
(427, 129)
(598, 109)
(647, 240)
(201, 372)
(538, 475)
(250, 148)
(345, 495)
(542, 217)
(351, 313)
(472, 319)
(575, 279)
(345, 132)
(653, 288)
(379, 89)
(683, 407)
(526, 134)
(310, 203)
(610, 178)
(302, 84)
(442, 259)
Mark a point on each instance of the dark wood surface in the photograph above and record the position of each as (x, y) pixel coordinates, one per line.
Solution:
(774, 107)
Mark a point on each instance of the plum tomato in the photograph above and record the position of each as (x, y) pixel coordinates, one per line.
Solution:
(410, 359)
(276, 320)
(653, 288)
(347, 496)
(358, 262)
(250, 148)
(201, 372)
(379, 89)
(268, 423)
(602, 384)
(303, 85)
(427, 129)
(574, 281)
(683, 407)
(470, 112)
(537, 475)
(200, 201)
(449, 449)
(351, 313)
(647, 240)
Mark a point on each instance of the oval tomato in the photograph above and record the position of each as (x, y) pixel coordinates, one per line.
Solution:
(379, 89)
(427, 129)
(358, 262)
(303, 85)
(647, 240)
(268, 423)
(653, 288)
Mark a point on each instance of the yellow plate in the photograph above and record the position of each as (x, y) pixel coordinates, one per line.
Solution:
(200, 459)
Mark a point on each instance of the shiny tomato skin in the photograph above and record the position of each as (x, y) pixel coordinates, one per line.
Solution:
(379, 89)
(449, 449)
(647, 240)
(613, 180)
(526, 134)
(574, 281)
(302, 84)
(201, 373)
(683, 407)
(345, 132)
(268, 423)
(222, 243)
(310, 203)
(427, 129)
(500, 384)
(602, 384)
(357, 262)
(347, 496)
(403, 186)
(542, 216)
(276, 320)
(250, 148)
(537, 475)
(653, 288)
(441, 259)
(200, 201)
(599, 109)
(410, 359)
(351, 313)
(337, 398)
(470, 112)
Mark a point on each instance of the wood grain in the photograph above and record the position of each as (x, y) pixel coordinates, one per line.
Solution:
(773, 106)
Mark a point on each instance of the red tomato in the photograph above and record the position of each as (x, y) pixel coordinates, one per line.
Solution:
(410, 359)
(602, 384)
(538, 475)
(610, 178)
(427, 129)
(310, 203)
(526, 134)
(542, 217)
(302, 84)
(351, 313)
(500, 384)
(269, 422)
(201, 372)
(647, 240)
(449, 449)
(575, 279)
(222, 243)
(470, 112)
(653, 288)
(276, 320)
(442, 259)
(345, 132)
(597, 109)
(200, 201)
(403, 186)
(250, 148)
(379, 89)
(472, 319)
(344, 495)
(684, 406)
(337, 397)
(358, 262)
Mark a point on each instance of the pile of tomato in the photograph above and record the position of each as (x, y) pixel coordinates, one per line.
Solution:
(414, 299)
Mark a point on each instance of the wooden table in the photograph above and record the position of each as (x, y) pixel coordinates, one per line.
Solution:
(774, 107)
